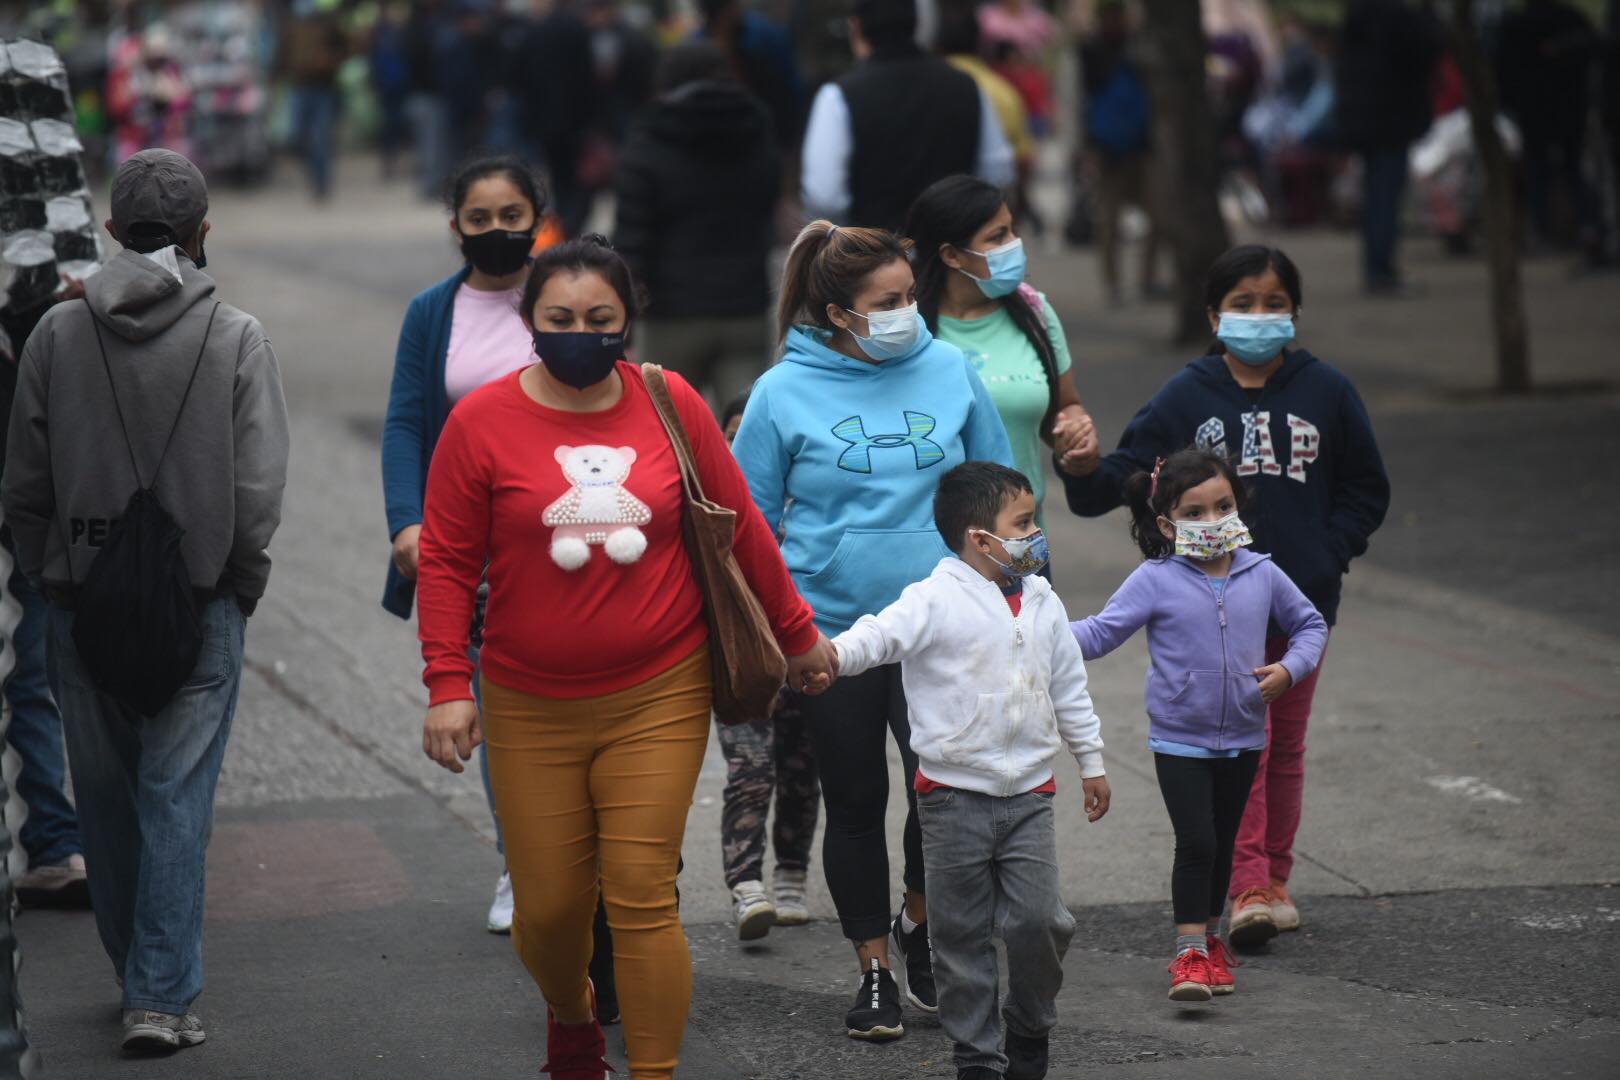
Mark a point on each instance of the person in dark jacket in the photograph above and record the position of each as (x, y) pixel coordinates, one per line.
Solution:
(1387, 55)
(555, 85)
(1305, 445)
(897, 122)
(697, 188)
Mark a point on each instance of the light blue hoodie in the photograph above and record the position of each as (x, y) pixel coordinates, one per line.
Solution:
(843, 458)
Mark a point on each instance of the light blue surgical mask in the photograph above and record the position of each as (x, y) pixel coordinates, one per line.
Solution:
(890, 334)
(1255, 339)
(1006, 264)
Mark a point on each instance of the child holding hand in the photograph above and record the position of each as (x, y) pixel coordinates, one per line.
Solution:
(1206, 603)
(997, 687)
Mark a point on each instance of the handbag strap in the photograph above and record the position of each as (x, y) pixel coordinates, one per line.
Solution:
(129, 446)
(658, 390)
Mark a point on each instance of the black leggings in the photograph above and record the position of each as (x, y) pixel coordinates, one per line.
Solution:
(848, 725)
(1205, 797)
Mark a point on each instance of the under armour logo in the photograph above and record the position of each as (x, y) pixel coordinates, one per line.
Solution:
(858, 458)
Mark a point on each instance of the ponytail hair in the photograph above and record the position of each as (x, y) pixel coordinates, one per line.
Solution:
(1152, 495)
(828, 264)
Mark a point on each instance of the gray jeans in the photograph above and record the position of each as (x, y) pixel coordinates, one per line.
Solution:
(992, 868)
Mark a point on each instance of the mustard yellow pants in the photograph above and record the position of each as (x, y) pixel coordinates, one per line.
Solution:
(593, 795)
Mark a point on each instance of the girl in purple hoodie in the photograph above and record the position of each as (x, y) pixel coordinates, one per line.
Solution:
(1206, 603)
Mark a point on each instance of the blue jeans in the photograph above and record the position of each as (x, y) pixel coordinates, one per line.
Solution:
(146, 807)
(50, 832)
(315, 116)
(992, 868)
(1383, 184)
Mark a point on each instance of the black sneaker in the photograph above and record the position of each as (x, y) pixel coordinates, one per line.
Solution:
(978, 1072)
(876, 1015)
(1026, 1057)
(914, 958)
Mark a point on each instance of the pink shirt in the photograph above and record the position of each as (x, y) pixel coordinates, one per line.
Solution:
(487, 340)
(1029, 29)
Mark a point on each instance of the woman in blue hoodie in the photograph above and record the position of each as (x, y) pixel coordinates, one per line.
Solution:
(1305, 447)
(843, 444)
(1206, 610)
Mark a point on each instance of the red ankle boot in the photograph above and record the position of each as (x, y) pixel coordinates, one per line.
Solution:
(574, 1051)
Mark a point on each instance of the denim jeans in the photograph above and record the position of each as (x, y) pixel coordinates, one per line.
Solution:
(315, 118)
(50, 832)
(146, 807)
(992, 867)
(1383, 183)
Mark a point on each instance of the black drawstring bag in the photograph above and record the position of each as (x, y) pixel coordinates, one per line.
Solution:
(136, 624)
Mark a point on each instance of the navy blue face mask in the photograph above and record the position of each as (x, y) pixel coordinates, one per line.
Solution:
(579, 360)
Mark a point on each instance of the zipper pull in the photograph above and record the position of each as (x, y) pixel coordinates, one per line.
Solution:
(1220, 607)
(1018, 632)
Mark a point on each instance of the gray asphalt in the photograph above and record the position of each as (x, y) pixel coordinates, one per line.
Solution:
(1459, 846)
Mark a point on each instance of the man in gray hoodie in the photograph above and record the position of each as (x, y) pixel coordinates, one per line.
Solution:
(94, 374)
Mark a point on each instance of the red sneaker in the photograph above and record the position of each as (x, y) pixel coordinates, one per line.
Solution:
(1221, 963)
(574, 1051)
(1190, 977)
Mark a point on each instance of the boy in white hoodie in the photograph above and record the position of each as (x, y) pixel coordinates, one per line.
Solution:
(996, 687)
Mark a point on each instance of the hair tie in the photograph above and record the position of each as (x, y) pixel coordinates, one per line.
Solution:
(1153, 484)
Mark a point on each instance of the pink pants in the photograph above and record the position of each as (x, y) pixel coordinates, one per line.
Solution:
(1265, 842)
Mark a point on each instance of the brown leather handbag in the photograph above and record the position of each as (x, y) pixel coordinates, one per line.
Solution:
(749, 667)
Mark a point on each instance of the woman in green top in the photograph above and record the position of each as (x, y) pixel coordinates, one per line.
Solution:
(971, 292)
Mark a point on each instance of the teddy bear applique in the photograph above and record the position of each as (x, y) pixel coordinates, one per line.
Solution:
(596, 509)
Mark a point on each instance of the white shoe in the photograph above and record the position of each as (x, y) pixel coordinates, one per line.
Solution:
(148, 1032)
(788, 887)
(755, 913)
(500, 909)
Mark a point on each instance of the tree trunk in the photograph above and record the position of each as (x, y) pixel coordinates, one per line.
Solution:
(1501, 205)
(1187, 165)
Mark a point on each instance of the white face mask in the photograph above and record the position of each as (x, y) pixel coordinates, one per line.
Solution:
(890, 333)
(1206, 540)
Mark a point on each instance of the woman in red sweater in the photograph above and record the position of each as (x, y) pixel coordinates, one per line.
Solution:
(595, 664)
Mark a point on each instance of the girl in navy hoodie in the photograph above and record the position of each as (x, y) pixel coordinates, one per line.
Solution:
(1206, 611)
(1305, 447)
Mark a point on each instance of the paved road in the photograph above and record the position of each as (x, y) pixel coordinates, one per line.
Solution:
(1460, 838)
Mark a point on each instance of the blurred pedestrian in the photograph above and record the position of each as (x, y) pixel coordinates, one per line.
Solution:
(1303, 443)
(559, 484)
(469, 67)
(1544, 65)
(314, 45)
(958, 41)
(895, 123)
(391, 81)
(1019, 35)
(424, 104)
(148, 99)
(556, 86)
(762, 58)
(189, 388)
(1387, 55)
(696, 196)
(972, 293)
(1119, 141)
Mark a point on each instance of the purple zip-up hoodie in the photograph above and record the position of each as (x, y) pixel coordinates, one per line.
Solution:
(1201, 689)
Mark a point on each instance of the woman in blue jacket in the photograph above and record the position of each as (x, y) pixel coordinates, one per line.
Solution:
(843, 444)
(1304, 445)
(458, 335)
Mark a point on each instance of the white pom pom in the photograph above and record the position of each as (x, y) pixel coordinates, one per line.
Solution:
(570, 552)
(625, 546)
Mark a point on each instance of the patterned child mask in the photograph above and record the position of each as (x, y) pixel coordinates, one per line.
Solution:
(1206, 540)
(1026, 554)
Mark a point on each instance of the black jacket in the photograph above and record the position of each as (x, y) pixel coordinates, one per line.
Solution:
(1387, 54)
(1313, 468)
(697, 185)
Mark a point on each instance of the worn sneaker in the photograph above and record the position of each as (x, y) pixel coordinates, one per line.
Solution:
(876, 1015)
(574, 1051)
(500, 909)
(61, 886)
(148, 1032)
(1190, 977)
(916, 965)
(1026, 1056)
(788, 889)
(754, 910)
(1221, 963)
(1283, 911)
(1252, 924)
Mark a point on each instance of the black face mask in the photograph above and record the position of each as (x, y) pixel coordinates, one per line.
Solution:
(579, 360)
(498, 252)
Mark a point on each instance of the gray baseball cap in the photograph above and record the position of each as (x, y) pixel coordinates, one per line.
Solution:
(159, 189)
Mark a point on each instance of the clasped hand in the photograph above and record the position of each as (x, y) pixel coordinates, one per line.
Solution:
(813, 672)
(1074, 441)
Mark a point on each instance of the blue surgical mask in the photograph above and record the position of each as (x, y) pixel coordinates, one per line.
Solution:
(1006, 265)
(1025, 554)
(579, 360)
(890, 334)
(1255, 339)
